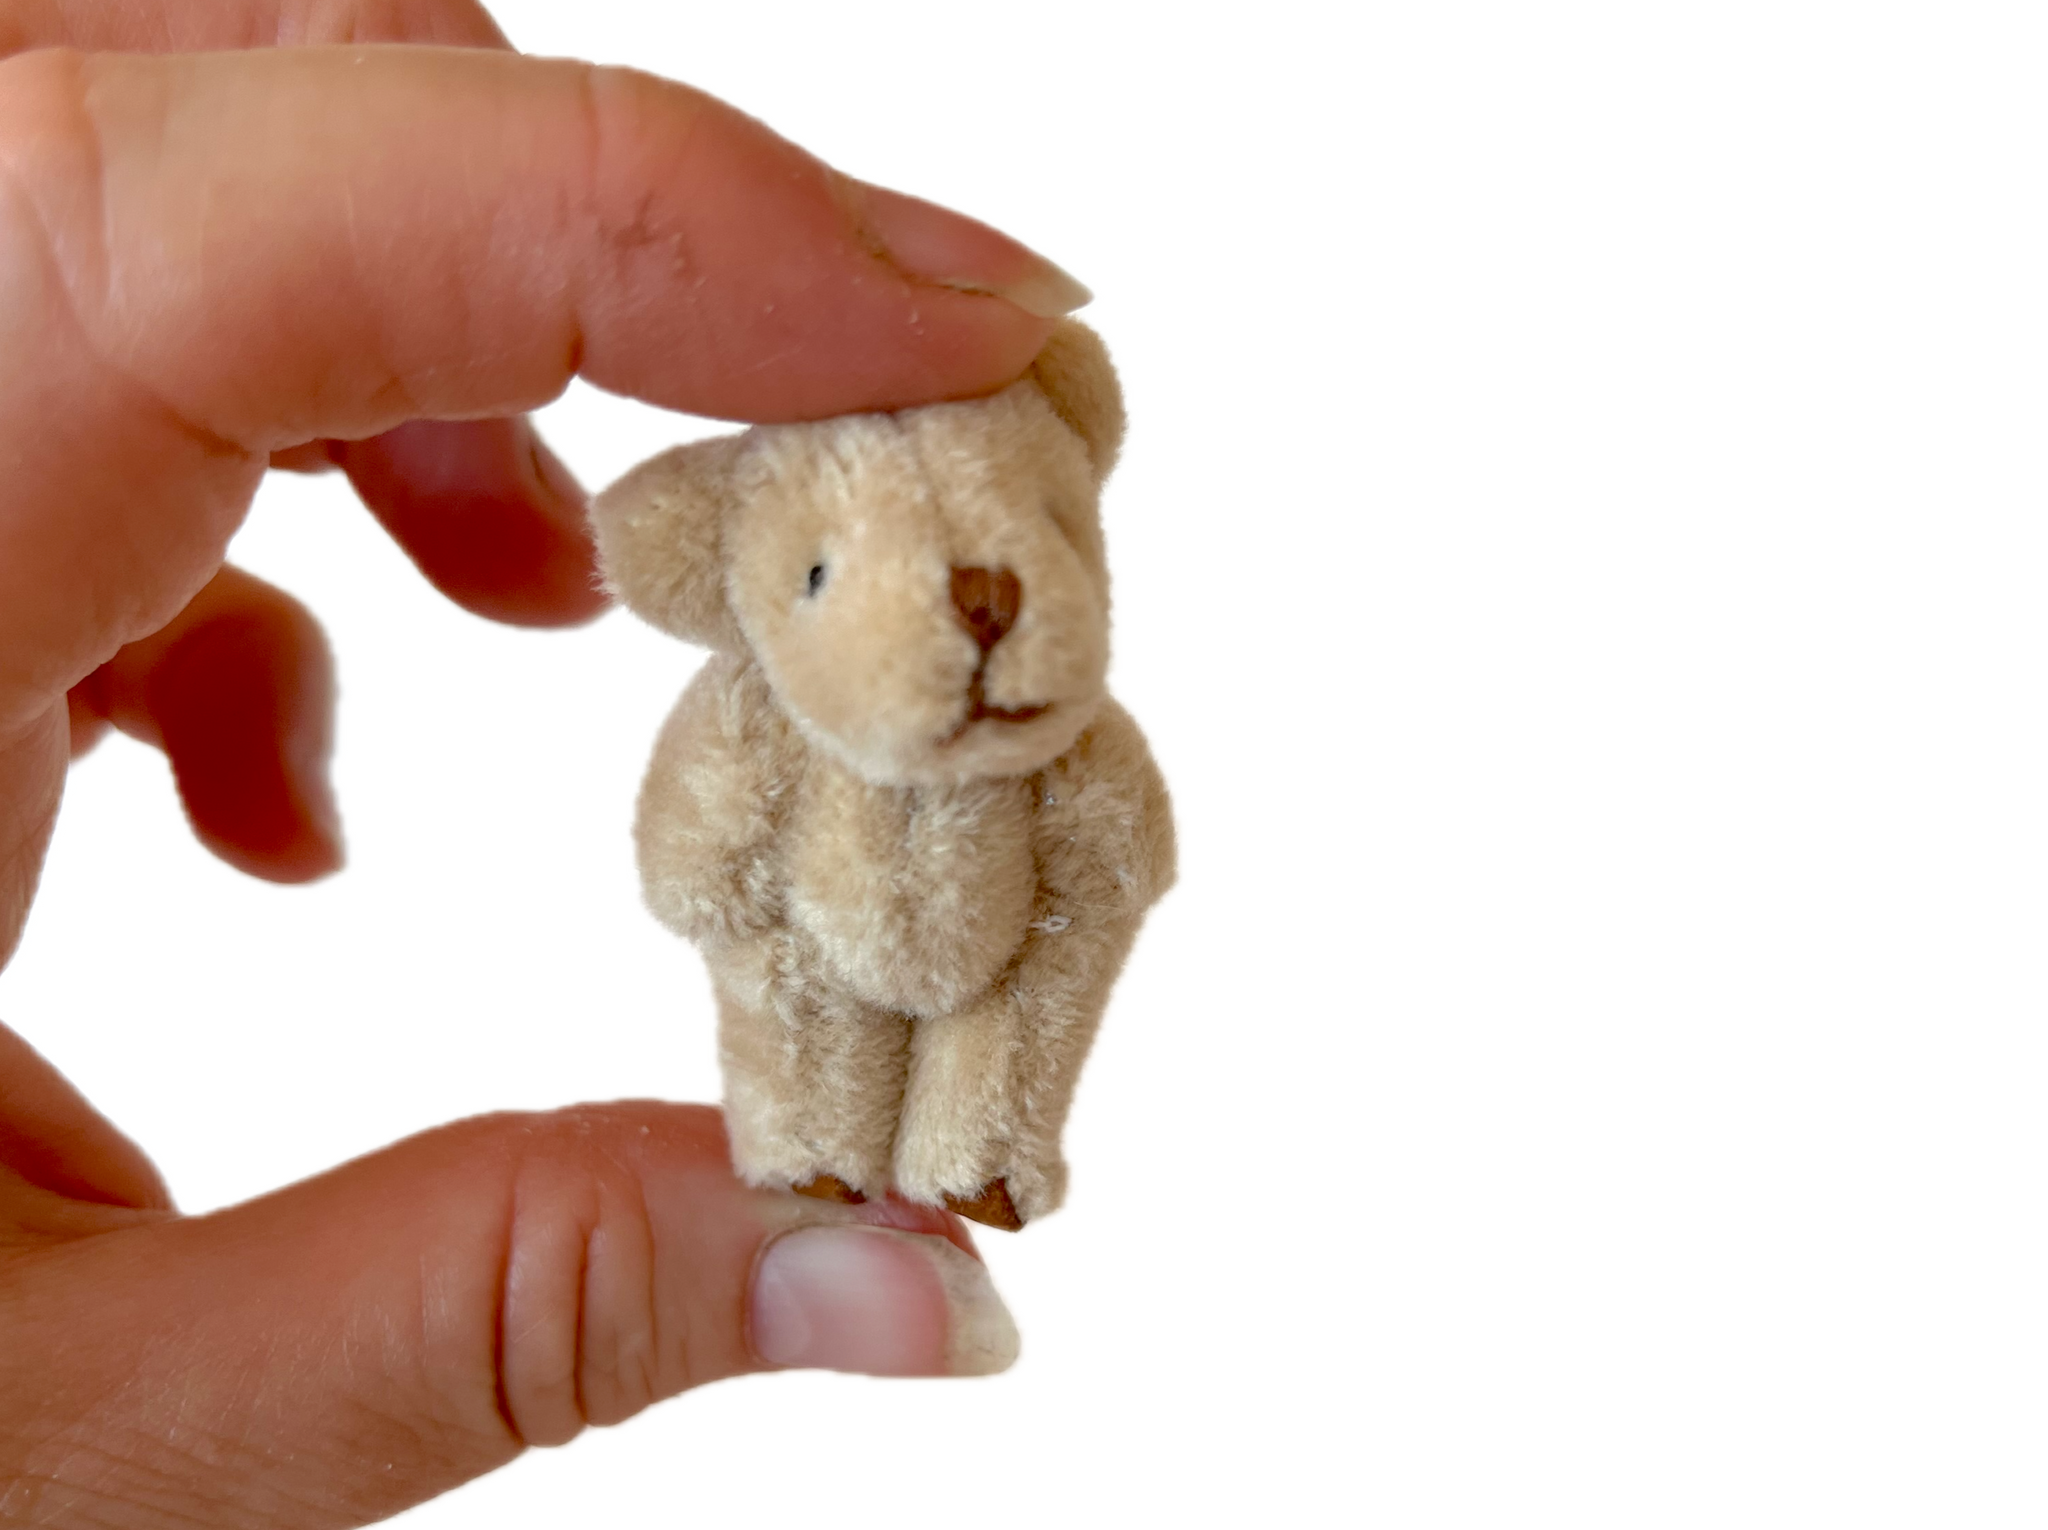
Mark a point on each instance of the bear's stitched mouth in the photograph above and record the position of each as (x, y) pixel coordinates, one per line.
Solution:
(978, 710)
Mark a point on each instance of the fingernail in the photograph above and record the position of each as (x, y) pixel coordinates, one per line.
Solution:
(934, 244)
(879, 1302)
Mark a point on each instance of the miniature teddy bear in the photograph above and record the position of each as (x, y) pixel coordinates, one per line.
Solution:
(911, 833)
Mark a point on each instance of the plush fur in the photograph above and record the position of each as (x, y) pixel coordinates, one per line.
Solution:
(898, 812)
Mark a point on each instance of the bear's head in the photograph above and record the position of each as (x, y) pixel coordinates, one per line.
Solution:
(925, 591)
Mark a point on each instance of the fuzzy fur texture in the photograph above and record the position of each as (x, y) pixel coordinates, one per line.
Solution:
(897, 811)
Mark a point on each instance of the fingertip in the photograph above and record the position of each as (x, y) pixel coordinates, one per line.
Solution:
(88, 715)
(892, 1210)
(930, 243)
(298, 843)
(759, 284)
(490, 516)
(310, 457)
(243, 706)
(877, 1301)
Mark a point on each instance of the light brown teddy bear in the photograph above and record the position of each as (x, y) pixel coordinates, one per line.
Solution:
(910, 831)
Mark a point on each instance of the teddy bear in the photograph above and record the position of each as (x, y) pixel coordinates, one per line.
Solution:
(896, 809)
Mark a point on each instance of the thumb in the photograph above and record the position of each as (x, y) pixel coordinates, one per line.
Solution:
(333, 1353)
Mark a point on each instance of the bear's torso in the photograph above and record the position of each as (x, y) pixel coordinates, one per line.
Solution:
(915, 900)
(918, 897)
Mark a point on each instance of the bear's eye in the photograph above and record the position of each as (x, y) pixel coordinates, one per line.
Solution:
(817, 579)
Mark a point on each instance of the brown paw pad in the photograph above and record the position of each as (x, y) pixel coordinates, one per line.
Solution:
(990, 1205)
(830, 1187)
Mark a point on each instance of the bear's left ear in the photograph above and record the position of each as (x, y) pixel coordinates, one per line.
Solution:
(661, 540)
(1074, 374)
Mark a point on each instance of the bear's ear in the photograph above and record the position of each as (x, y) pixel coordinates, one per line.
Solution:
(661, 540)
(1074, 374)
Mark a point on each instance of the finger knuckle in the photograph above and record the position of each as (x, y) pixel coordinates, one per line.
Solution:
(580, 1338)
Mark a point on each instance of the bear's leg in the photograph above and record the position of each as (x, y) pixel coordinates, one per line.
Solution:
(813, 1079)
(990, 1085)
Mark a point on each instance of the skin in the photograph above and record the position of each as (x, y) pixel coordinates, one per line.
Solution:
(371, 259)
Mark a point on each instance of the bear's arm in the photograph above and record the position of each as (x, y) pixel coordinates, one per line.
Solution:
(1103, 829)
(710, 806)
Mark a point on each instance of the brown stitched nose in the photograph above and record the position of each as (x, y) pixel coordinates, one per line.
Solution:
(987, 601)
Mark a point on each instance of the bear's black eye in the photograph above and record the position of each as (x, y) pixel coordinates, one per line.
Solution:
(817, 578)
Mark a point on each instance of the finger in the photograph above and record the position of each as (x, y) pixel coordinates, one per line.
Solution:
(535, 575)
(33, 760)
(311, 457)
(486, 220)
(486, 511)
(53, 1139)
(489, 514)
(87, 715)
(216, 256)
(176, 26)
(434, 1308)
(238, 691)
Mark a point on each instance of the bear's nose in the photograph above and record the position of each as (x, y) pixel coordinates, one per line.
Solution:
(987, 601)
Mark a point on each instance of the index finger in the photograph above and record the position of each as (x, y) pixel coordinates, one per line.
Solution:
(357, 236)
(223, 254)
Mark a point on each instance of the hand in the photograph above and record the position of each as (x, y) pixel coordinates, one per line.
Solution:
(213, 262)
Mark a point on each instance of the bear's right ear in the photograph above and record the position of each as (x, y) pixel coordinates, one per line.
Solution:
(661, 540)
(1073, 371)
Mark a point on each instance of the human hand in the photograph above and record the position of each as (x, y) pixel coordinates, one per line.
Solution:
(213, 261)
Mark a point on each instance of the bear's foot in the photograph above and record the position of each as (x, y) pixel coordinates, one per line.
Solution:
(830, 1187)
(990, 1205)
